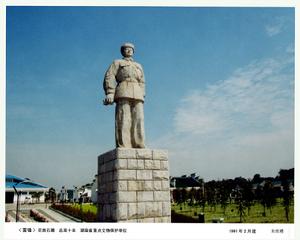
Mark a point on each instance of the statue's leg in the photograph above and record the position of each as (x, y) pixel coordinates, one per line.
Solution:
(123, 124)
(138, 132)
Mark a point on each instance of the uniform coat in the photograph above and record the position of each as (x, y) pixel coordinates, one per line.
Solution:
(125, 80)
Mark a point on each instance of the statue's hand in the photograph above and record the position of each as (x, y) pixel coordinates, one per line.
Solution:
(109, 100)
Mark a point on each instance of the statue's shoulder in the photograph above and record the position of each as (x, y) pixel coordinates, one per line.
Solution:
(118, 61)
(138, 65)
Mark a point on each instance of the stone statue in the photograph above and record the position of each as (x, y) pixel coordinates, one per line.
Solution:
(124, 84)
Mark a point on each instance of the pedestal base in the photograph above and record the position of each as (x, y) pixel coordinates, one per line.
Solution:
(133, 186)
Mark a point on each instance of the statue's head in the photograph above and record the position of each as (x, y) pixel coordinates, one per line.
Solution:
(127, 50)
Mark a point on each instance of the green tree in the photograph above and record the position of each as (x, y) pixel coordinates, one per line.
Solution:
(256, 178)
(285, 176)
(211, 193)
(37, 196)
(224, 192)
(248, 195)
(180, 196)
(240, 206)
(200, 198)
(52, 194)
(176, 195)
(269, 197)
(183, 196)
(191, 196)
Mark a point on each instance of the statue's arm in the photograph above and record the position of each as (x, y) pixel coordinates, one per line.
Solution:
(142, 81)
(109, 83)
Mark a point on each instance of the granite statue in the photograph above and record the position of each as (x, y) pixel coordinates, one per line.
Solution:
(124, 84)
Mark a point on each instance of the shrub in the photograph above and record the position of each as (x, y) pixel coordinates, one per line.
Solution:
(180, 218)
(37, 216)
(76, 212)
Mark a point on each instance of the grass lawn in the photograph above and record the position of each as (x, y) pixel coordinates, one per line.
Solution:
(86, 207)
(255, 215)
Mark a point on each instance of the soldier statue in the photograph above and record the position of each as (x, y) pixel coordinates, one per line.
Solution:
(124, 84)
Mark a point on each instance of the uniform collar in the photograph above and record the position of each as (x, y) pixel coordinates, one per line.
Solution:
(128, 59)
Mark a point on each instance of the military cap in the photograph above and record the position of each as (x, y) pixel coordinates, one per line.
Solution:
(127, 45)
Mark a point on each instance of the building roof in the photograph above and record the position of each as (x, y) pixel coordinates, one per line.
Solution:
(183, 182)
(11, 180)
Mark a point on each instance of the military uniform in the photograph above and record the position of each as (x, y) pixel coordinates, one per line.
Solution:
(125, 80)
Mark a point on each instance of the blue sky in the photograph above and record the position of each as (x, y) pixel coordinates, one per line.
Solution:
(219, 88)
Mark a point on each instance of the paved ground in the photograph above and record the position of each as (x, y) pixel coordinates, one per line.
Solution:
(43, 209)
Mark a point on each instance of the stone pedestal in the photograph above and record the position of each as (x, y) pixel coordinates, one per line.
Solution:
(133, 186)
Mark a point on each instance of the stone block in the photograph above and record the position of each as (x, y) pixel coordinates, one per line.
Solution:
(106, 211)
(108, 156)
(158, 219)
(144, 153)
(113, 212)
(121, 211)
(126, 196)
(101, 199)
(120, 164)
(109, 166)
(101, 169)
(132, 211)
(166, 208)
(141, 209)
(144, 174)
(108, 177)
(156, 164)
(165, 185)
(148, 164)
(161, 196)
(164, 165)
(102, 179)
(100, 160)
(160, 175)
(140, 164)
(105, 197)
(148, 186)
(125, 153)
(153, 209)
(144, 196)
(132, 163)
(162, 220)
(152, 164)
(101, 188)
(125, 175)
(157, 185)
(120, 185)
(135, 185)
(146, 220)
(112, 197)
(109, 187)
(160, 154)
(128, 221)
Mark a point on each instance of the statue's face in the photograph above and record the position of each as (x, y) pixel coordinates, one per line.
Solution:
(127, 52)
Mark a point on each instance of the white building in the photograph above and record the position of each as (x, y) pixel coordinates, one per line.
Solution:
(94, 190)
(86, 192)
(75, 195)
(63, 194)
(29, 191)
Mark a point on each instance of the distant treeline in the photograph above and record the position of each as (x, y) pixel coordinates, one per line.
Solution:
(241, 191)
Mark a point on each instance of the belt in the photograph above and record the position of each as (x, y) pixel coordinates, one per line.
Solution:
(129, 80)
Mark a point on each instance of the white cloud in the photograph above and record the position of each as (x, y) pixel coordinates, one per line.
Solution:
(246, 100)
(273, 30)
(276, 27)
(238, 126)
